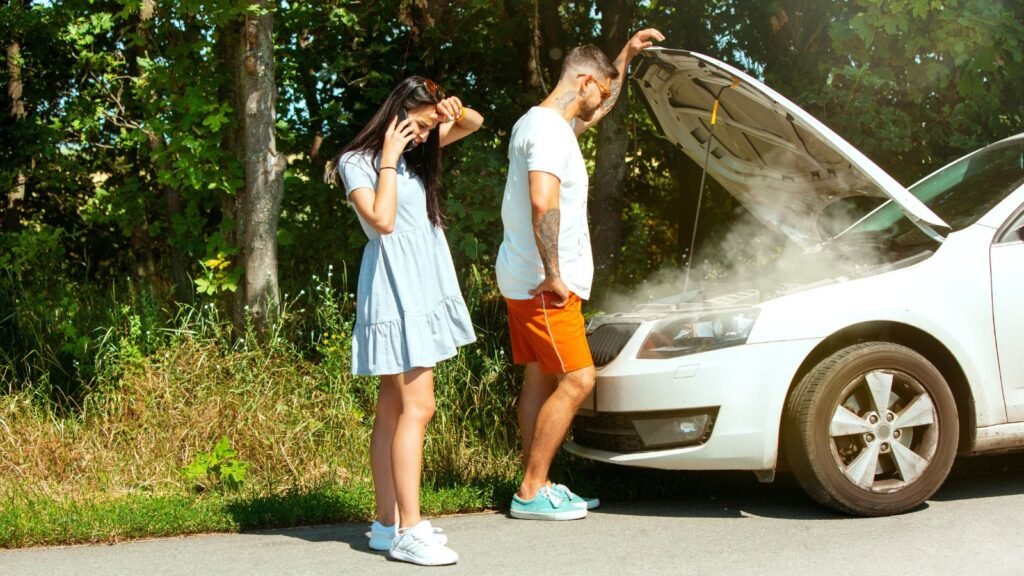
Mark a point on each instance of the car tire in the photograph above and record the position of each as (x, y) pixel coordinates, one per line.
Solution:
(835, 430)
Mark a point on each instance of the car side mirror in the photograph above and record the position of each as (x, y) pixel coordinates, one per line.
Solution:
(1020, 233)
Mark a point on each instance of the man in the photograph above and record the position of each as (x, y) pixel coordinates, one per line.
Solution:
(545, 266)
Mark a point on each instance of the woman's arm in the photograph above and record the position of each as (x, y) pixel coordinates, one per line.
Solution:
(457, 121)
(379, 207)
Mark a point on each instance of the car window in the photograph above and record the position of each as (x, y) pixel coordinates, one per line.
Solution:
(960, 193)
(1014, 231)
(976, 184)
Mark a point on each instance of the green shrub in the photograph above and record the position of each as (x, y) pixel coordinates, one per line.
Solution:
(219, 467)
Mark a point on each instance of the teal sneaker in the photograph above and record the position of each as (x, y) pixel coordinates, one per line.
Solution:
(547, 504)
(575, 500)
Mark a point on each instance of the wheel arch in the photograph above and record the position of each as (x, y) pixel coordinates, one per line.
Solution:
(915, 339)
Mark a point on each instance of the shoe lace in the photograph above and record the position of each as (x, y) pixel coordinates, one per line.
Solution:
(428, 539)
(565, 490)
(552, 495)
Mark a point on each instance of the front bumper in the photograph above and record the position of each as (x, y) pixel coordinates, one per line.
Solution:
(742, 388)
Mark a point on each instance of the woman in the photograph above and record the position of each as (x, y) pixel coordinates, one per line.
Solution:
(410, 313)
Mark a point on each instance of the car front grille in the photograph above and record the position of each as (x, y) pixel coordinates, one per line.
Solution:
(608, 340)
(615, 432)
(611, 432)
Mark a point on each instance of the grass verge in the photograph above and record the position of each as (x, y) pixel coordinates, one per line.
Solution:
(191, 429)
(40, 520)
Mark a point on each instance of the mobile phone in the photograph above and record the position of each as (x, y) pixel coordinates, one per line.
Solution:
(402, 115)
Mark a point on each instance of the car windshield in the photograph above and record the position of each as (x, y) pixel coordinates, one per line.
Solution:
(959, 193)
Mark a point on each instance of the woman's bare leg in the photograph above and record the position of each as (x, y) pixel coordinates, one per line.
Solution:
(416, 388)
(389, 407)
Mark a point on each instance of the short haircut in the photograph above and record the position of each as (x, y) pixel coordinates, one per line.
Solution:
(588, 57)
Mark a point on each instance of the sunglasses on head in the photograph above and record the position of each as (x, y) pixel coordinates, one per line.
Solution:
(601, 88)
(433, 88)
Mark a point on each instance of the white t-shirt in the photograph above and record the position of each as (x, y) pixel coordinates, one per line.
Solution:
(542, 141)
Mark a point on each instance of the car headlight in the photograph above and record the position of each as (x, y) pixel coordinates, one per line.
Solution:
(679, 336)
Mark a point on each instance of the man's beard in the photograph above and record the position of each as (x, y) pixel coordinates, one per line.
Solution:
(587, 114)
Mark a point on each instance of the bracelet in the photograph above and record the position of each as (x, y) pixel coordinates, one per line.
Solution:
(382, 168)
(462, 114)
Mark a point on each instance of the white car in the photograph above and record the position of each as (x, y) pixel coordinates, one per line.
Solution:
(870, 381)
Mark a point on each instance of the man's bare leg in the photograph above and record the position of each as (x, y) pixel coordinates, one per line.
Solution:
(537, 388)
(552, 423)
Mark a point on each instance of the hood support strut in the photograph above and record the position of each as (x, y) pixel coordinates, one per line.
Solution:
(703, 177)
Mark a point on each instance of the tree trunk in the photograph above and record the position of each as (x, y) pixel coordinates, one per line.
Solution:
(16, 195)
(798, 41)
(552, 43)
(259, 204)
(527, 46)
(145, 246)
(230, 49)
(686, 175)
(173, 202)
(14, 84)
(175, 205)
(612, 140)
(307, 59)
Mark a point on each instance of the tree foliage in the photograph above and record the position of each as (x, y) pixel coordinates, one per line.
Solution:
(125, 149)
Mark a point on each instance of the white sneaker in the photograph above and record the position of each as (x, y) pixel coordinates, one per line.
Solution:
(381, 536)
(419, 545)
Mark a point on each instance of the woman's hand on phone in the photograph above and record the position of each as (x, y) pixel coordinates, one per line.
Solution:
(449, 109)
(397, 137)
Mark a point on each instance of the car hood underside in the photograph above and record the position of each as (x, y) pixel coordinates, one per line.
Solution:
(776, 159)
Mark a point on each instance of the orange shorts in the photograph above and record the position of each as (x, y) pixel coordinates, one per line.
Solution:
(556, 338)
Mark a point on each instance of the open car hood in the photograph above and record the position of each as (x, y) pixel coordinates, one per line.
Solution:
(777, 160)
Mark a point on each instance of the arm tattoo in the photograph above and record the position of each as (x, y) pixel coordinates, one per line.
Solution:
(565, 100)
(545, 230)
(616, 88)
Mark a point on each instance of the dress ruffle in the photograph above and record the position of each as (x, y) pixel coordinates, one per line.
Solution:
(386, 348)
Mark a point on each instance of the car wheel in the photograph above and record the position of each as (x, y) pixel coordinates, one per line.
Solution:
(872, 430)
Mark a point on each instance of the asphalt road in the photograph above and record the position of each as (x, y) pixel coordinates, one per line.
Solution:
(725, 524)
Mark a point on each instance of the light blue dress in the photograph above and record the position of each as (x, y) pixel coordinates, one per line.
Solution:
(409, 308)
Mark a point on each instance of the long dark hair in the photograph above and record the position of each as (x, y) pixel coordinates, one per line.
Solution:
(424, 160)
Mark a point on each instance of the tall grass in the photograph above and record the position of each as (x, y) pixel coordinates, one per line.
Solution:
(163, 391)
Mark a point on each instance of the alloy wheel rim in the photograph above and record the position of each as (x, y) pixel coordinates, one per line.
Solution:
(884, 431)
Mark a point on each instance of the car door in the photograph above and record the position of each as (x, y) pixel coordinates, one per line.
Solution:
(1007, 258)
